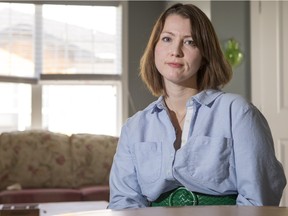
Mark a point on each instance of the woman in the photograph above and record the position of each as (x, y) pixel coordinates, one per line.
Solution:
(195, 142)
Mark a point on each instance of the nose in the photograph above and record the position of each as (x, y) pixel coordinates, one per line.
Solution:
(176, 49)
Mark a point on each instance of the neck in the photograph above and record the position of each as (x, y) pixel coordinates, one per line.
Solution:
(176, 101)
(177, 111)
(177, 105)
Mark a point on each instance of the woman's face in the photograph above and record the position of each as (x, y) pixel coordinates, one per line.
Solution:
(176, 56)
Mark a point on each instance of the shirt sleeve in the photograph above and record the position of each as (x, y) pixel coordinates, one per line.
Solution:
(124, 188)
(260, 176)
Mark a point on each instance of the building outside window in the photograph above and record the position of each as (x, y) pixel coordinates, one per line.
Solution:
(61, 72)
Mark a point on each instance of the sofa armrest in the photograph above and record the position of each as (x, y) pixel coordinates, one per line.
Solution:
(95, 193)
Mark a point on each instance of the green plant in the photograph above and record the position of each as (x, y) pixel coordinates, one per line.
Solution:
(233, 53)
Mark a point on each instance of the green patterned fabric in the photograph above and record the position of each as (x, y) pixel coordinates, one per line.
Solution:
(182, 197)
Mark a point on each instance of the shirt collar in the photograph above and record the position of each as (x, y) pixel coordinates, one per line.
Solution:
(159, 105)
(205, 97)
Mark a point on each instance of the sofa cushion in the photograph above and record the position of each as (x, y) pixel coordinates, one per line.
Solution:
(92, 157)
(7, 160)
(35, 159)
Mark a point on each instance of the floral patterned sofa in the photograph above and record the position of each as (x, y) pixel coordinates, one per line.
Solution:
(43, 166)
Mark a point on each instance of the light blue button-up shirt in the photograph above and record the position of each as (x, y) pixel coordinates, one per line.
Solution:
(229, 150)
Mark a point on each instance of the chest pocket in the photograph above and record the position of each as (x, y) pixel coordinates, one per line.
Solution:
(148, 157)
(212, 158)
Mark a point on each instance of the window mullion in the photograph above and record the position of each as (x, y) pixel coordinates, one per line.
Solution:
(38, 37)
(36, 113)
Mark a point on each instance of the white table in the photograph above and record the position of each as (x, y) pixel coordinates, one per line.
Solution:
(53, 209)
(189, 211)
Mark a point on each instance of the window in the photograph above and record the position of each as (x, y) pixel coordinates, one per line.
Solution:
(16, 43)
(83, 41)
(62, 73)
(61, 102)
(15, 106)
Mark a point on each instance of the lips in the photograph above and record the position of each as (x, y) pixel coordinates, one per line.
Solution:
(174, 64)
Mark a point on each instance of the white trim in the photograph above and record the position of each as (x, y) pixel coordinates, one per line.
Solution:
(125, 90)
(256, 76)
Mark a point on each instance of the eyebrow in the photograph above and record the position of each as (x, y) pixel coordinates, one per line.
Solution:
(171, 33)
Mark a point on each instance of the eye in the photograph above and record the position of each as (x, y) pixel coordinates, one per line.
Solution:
(190, 42)
(166, 39)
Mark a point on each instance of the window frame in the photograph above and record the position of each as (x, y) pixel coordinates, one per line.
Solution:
(39, 79)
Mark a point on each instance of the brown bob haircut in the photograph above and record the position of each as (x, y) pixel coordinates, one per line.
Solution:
(215, 71)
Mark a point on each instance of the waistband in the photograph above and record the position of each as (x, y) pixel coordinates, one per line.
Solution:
(183, 197)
